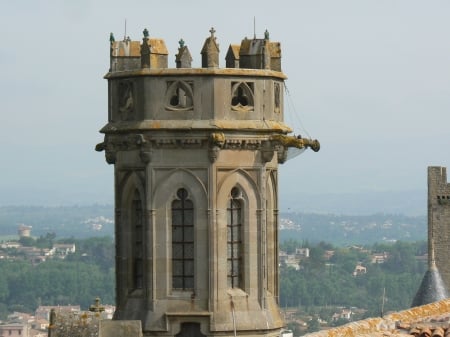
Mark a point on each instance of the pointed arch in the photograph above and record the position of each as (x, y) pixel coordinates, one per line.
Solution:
(272, 188)
(179, 96)
(174, 179)
(130, 181)
(242, 96)
(247, 210)
(272, 233)
(131, 228)
(178, 280)
(237, 177)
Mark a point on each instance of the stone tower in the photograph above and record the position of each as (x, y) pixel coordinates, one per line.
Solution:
(196, 154)
(439, 221)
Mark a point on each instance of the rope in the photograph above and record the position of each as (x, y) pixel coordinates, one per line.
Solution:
(295, 115)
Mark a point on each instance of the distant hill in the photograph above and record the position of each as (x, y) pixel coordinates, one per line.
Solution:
(413, 202)
(336, 228)
(348, 230)
(64, 221)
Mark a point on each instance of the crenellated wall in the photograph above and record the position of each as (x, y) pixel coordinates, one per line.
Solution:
(439, 220)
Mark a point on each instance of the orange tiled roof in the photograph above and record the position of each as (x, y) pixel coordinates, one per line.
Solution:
(417, 321)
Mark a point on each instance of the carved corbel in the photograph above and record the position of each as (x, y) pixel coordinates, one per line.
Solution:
(110, 156)
(110, 153)
(145, 155)
(145, 151)
(267, 151)
(281, 154)
(213, 153)
(216, 142)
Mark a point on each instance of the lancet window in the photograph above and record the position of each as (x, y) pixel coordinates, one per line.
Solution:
(138, 247)
(182, 241)
(234, 239)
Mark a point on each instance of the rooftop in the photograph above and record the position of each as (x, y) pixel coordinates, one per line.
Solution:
(415, 321)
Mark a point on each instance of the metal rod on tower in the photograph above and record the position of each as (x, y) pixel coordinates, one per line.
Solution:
(125, 33)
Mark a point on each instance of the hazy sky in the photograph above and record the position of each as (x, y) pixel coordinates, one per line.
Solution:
(369, 78)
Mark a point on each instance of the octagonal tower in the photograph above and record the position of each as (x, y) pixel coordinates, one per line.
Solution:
(196, 154)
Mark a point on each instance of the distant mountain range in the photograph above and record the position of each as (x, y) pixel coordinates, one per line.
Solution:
(343, 230)
(407, 202)
(315, 222)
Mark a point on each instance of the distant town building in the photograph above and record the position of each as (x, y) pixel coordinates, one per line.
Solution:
(302, 252)
(345, 314)
(379, 257)
(14, 330)
(328, 254)
(24, 231)
(359, 270)
(43, 312)
(64, 249)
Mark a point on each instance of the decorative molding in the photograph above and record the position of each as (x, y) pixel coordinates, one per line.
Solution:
(179, 96)
(281, 153)
(242, 96)
(277, 97)
(215, 142)
(213, 153)
(267, 151)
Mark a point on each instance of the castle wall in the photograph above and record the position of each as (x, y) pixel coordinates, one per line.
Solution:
(439, 220)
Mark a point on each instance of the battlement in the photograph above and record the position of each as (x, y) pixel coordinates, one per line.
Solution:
(438, 219)
(438, 187)
(128, 55)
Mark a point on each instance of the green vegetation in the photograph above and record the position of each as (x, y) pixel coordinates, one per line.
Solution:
(97, 220)
(78, 279)
(322, 283)
(347, 229)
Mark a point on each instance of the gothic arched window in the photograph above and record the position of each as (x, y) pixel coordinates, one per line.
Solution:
(234, 239)
(182, 242)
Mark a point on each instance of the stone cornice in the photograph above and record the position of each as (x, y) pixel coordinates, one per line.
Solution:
(179, 72)
(198, 125)
(214, 142)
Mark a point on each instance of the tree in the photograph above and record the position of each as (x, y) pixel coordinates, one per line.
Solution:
(27, 241)
(313, 325)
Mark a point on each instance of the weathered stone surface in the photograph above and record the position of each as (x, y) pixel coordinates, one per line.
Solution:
(201, 143)
(438, 221)
(109, 328)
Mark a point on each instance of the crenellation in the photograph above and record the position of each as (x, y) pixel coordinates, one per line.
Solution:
(152, 53)
(439, 220)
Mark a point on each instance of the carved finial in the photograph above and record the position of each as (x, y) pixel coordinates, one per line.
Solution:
(212, 31)
(111, 38)
(181, 42)
(266, 35)
(145, 32)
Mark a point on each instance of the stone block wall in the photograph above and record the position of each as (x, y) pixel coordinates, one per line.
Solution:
(439, 220)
